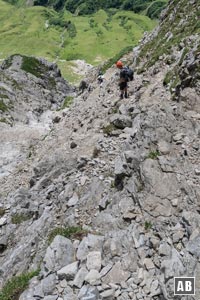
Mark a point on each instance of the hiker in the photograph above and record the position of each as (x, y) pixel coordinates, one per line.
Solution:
(100, 77)
(83, 86)
(126, 74)
(122, 80)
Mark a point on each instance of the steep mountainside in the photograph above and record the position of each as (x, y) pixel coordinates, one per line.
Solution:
(152, 8)
(106, 205)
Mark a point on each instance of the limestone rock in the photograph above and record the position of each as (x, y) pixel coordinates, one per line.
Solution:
(68, 272)
(3, 221)
(73, 201)
(108, 294)
(59, 254)
(173, 266)
(80, 277)
(94, 260)
(88, 292)
(92, 277)
(194, 246)
(116, 274)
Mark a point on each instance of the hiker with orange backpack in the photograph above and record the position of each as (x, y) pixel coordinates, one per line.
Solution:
(126, 74)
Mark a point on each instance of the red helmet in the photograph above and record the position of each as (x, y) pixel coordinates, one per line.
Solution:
(119, 64)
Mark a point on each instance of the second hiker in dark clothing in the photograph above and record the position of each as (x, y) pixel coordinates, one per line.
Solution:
(123, 80)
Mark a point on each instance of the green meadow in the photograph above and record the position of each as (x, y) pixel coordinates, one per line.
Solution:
(64, 37)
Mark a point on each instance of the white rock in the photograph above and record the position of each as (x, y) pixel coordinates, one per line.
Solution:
(178, 137)
(164, 249)
(3, 221)
(106, 269)
(72, 201)
(116, 274)
(175, 202)
(148, 263)
(94, 260)
(163, 147)
(80, 277)
(92, 277)
(83, 180)
(107, 294)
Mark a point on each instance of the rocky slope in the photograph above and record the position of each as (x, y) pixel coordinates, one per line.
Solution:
(127, 173)
(30, 90)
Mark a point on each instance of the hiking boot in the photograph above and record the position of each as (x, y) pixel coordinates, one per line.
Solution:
(121, 96)
(126, 95)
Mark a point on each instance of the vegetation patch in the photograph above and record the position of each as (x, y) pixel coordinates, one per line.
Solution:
(109, 129)
(165, 41)
(15, 287)
(33, 66)
(8, 62)
(2, 211)
(147, 225)
(3, 106)
(154, 154)
(68, 232)
(155, 9)
(67, 102)
(184, 53)
(3, 96)
(80, 7)
(19, 218)
(168, 77)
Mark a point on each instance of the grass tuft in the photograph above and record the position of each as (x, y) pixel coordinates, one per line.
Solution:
(109, 129)
(33, 66)
(19, 218)
(15, 287)
(67, 102)
(3, 106)
(68, 232)
(147, 225)
(2, 211)
(153, 154)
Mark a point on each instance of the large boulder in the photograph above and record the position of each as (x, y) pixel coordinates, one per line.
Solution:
(59, 254)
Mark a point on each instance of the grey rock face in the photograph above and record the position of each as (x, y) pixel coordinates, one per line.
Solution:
(116, 274)
(59, 254)
(37, 87)
(194, 246)
(173, 265)
(90, 242)
(80, 277)
(89, 293)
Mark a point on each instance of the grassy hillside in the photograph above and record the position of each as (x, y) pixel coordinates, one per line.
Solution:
(43, 32)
